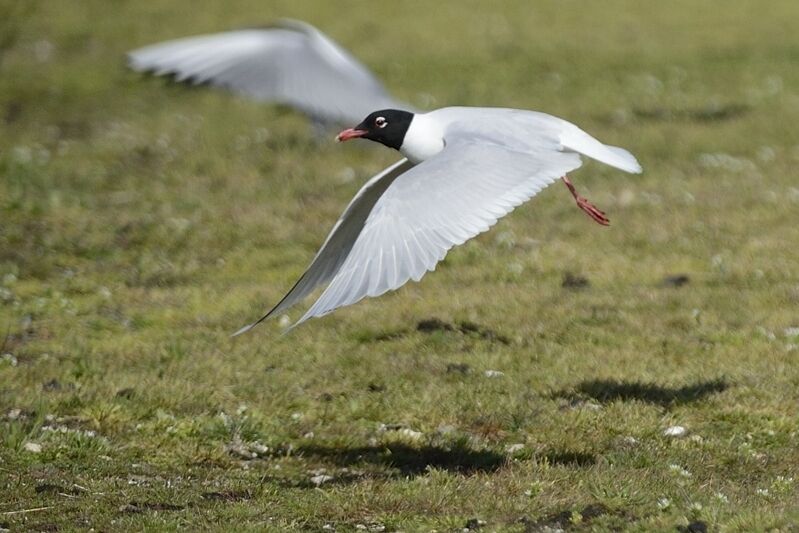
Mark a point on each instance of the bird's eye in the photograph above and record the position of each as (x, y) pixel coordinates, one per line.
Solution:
(381, 122)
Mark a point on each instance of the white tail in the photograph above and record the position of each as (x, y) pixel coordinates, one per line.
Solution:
(573, 138)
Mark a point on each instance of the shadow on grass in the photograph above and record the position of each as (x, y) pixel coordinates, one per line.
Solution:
(710, 113)
(435, 325)
(411, 461)
(565, 519)
(397, 460)
(609, 390)
(570, 458)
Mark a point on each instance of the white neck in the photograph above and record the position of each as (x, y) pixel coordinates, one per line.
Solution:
(423, 140)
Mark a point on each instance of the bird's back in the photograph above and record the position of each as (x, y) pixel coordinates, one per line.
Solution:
(527, 131)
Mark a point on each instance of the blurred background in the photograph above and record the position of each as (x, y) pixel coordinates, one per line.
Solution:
(144, 221)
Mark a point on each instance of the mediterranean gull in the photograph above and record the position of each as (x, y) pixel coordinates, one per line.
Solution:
(463, 169)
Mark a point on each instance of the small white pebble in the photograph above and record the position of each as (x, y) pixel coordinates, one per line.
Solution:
(328, 527)
(591, 406)
(493, 374)
(411, 434)
(259, 448)
(321, 478)
(513, 448)
(679, 470)
(284, 321)
(664, 503)
(674, 431)
(33, 447)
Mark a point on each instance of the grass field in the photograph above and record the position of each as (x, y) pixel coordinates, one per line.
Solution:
(531, 382)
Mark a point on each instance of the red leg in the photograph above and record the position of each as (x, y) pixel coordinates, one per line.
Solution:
(590, 209)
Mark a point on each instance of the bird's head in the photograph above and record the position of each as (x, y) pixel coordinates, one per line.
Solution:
(388, 127)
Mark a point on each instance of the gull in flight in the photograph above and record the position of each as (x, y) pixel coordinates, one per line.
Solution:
(291, 63)
(463, 169)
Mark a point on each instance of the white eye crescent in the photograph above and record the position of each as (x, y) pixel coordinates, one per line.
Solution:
(381, 122)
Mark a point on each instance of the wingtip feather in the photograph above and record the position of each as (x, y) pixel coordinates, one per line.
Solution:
(245, 329)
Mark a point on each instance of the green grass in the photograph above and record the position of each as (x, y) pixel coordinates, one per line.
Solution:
(143, 222)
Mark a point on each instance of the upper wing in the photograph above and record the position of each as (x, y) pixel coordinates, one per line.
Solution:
(524, 130)
(339, 242)
(293, 64)
(434, 206)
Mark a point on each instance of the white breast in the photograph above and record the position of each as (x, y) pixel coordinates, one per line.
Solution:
(423, 140)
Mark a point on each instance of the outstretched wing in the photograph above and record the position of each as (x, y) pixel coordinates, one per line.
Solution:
(434, 206)
(293, 64)
(339, 242)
